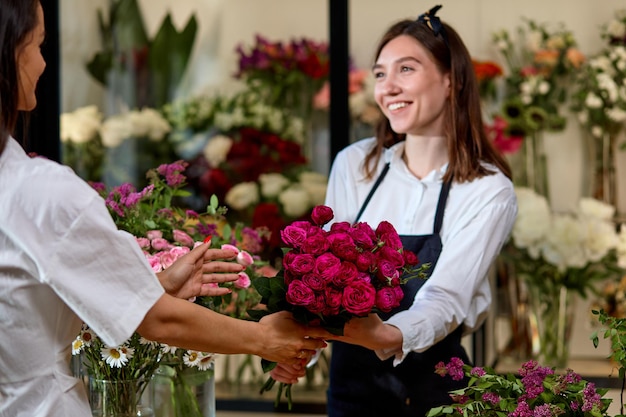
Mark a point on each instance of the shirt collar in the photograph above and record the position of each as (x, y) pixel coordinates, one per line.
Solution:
(394, 154)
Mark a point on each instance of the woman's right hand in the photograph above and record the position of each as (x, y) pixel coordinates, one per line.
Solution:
(288, 374)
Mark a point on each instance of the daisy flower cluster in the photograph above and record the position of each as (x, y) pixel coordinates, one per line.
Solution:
(536, 391)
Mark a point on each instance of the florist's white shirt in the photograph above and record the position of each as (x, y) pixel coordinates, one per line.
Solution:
(62, 260)
(478, 218)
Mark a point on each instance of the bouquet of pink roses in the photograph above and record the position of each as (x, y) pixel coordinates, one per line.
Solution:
(331, 276)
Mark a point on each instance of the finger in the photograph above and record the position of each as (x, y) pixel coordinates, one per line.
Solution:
(212, 291)
(219, 278)
(221, 266)
(312, 345)
(215, 254)
(196, 253)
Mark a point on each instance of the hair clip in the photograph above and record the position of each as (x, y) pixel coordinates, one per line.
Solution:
(433, 22)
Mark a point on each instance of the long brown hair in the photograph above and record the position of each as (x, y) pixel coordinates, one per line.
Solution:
(17, 19)
(467, 141)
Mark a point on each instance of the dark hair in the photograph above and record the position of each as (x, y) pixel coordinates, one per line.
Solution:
(466, 138)
(17, 19)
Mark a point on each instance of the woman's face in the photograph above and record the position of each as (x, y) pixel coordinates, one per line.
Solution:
(30, 64)
(410, 89)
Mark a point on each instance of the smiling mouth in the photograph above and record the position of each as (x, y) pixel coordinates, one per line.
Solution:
(396, 106)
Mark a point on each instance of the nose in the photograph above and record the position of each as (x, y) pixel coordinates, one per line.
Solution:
(389, 85)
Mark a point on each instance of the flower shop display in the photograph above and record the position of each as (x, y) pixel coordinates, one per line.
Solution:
(249, 155)
(599, 101)
(612, 298)
(165, 232)
(118, 149)
(540, 65)
(330, 276)
(138, 71)
(286, 75)
(487, 72)
(535, 391)
(557, 256)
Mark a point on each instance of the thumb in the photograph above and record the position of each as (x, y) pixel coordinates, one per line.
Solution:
(197, 253)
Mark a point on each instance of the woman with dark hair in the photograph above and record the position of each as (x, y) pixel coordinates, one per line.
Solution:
(433, 174)
(63, 261)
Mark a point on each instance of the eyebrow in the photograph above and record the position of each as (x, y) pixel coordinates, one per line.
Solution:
(397, 61)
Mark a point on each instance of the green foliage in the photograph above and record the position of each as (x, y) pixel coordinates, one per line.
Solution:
(139, 70)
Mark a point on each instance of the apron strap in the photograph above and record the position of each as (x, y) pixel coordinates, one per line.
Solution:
(371, 193)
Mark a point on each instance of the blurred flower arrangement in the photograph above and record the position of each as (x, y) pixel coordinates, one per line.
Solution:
(116, 150)
(249, 155)
(599, 100)
(537, 391)
(487, 72)
(540, 66)
(166, 232)
(136, 70)
(612, 299)
(286, 75)
(557, 255)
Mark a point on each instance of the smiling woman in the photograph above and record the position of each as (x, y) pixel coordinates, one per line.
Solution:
(30, 64)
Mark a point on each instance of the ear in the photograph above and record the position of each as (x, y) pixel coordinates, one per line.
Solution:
(448, 82)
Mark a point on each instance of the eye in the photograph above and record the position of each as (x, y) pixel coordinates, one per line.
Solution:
(378, 74)
(406, 68)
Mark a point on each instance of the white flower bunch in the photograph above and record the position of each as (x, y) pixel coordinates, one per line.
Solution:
(566, 240)
(80, 126)
(614, 32)
(145, 123)
(295, 196)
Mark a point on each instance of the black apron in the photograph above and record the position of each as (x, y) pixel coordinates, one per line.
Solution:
(361, 385)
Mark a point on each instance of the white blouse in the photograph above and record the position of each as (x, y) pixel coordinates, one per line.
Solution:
(62, 261)
(478, 218)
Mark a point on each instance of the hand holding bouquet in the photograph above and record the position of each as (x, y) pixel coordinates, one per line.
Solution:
(331, 276)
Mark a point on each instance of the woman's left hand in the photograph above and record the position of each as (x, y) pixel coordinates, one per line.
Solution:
(198, 273)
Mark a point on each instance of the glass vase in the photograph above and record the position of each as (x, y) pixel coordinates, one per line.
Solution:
(600, 167)
(533, 166)
(183, 392)
(118, 398)
(551, 322)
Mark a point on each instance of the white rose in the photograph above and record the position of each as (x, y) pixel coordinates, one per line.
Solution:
(616, 29)
(593, 101)
(590, 207)
(616, 114)
(316, 191)
(565, 242)
(114, 130)
(272, 184)
(533, 218)
(81, 125)
(242, 195)
(156, 126)
(295, 201)
(600, 238)
(216, 149)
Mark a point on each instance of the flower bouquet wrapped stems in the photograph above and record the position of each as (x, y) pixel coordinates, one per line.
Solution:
(331, 276)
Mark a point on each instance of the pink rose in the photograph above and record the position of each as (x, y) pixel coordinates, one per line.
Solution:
(143, 242)
(179, 251)
(155, 262)
(293, 236)
(299, 264)
(316, 244)
(299, 294)
(388, 234)
(327, 266)
(321, 215)
(154, 234)
(359, 298)
(340, 227)
(244, 258)
(387, 299)
(243, 281)
(314, 281)
(410, 258)
(182, 238)
(229, 247)
(347, 274)
(391, 255)
(361, 236)
(333, 299)
(319, 303)
(386, 270)
(366, 261)
(167, 259)
(342, 245)
(160, 244)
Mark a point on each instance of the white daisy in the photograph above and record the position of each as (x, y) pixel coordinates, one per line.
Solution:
(77, 346)
(87, 336)
(191, 358)
(205, 360)
(117, 356)
(165, 348)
